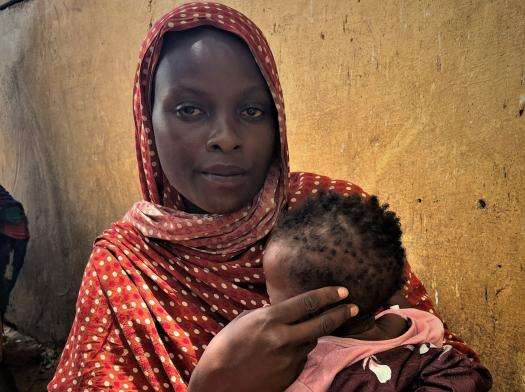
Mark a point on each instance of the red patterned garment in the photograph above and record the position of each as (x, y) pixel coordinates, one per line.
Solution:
(162, 282)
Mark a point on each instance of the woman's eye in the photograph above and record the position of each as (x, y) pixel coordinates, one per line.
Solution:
(252, 113)
(189, 112)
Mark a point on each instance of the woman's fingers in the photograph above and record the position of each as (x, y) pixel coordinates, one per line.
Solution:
(244, 313)
(305, 304)
(324, 324)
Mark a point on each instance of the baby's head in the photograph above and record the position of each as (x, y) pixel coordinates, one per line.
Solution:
(332, 240)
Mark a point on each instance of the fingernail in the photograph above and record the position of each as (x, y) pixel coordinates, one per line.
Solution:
(353, 310)
(343, 292)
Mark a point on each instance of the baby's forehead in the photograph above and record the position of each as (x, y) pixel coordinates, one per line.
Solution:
(273, 250)
(283, 253)
(280, 254)
(276, 252)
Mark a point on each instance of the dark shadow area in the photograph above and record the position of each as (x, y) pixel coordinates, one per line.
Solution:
(26, 364)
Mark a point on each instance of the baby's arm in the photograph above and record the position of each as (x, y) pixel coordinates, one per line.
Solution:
(447, 369)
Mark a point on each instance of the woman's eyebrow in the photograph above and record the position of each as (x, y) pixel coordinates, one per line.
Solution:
(255, 90)
(185, 89)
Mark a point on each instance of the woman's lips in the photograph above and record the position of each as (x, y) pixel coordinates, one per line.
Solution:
(225, 181)
(225, 175)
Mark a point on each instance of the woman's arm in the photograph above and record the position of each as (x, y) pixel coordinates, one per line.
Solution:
(266, 349)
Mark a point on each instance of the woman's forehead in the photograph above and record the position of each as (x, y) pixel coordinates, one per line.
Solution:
(202, 46)
(203, 55)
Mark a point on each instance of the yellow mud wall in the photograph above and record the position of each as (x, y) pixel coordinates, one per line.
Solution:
(416, 101)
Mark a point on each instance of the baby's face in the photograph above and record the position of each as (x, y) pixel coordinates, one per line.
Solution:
(277, 282)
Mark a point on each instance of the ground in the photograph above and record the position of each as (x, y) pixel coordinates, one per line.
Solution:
(26, 365)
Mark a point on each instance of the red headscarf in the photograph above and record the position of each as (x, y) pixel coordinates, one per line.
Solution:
(162, 282)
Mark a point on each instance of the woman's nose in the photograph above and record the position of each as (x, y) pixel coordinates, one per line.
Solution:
(224, 136)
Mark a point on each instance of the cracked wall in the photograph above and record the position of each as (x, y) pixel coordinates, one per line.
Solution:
(418, 102)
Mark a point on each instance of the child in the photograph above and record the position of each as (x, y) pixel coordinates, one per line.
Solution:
(346, 241)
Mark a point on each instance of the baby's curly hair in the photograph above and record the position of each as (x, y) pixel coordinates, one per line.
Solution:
(344, 241)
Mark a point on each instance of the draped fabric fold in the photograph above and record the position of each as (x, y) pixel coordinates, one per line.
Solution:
(161, 282)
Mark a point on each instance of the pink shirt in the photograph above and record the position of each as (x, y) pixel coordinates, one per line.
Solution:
(332, 354)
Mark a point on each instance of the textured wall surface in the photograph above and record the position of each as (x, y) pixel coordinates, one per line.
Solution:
(416, 101)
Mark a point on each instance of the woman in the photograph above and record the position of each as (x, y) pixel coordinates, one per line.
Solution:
(183, 263)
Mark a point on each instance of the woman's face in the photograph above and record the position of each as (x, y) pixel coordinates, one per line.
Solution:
(213, 120)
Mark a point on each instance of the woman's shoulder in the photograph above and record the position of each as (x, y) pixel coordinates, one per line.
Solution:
(120, 236)
(113, 253)
(118, 230)
(303, 184)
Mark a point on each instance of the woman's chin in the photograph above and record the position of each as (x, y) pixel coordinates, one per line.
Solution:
(221, 204)
(225, 206)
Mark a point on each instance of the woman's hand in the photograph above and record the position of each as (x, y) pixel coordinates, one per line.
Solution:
(266, 349)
